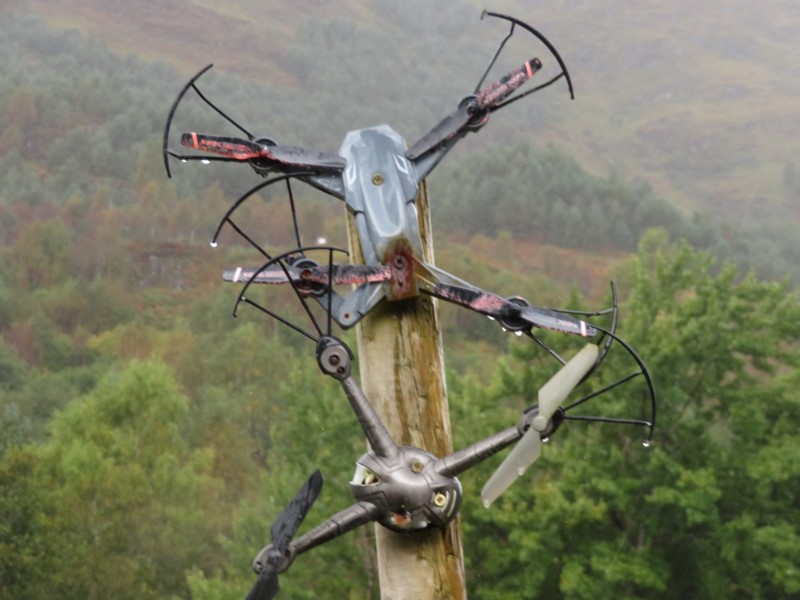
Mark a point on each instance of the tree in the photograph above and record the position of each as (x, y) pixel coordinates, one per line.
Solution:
(712, 509)
(134, 507)
(41, 254)
(23, 533)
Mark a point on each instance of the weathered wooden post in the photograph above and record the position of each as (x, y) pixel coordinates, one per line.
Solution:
(402, 373)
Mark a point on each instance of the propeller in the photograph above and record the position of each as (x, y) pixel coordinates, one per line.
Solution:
(551, 395)
(474, 110)
(545, 318)
(232, 147)
(244, 150)
(515, 313)
(266, 587)
(321, 274)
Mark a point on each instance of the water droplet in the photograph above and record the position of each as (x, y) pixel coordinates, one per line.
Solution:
(490, 317)
(321, 241)
(486, 504)
(504, 329)
(646, 443)
(183, 160)
(213, 244)
(205, 161)
(518, 333)
(545, 440)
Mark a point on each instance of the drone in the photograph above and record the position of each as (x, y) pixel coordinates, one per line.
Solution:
(405, 488)
(378, 177)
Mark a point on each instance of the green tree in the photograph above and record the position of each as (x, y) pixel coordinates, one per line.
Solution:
(135, 506)
(41, 254)
(712, 509)
(23, 531)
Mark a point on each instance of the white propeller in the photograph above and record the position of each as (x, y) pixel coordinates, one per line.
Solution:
(551, 395)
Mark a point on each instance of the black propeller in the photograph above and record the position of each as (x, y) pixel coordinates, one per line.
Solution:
(313, 274)
(283, 530)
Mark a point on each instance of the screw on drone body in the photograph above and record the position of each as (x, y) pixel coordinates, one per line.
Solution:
(440, 499)
(400, 261)
(378, 179)
(417, 466)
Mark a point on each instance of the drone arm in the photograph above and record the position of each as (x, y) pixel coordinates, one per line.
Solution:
(339, 524)
(318, 169)
(513, 314)
(334, 359)
(354, 516)
(458, 462)
(378, 436)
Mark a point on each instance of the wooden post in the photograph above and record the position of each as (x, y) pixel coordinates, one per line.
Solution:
(402, 373)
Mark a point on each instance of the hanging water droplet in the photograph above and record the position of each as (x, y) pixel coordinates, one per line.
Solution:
(213, 244)
(486, 504)
(545, 440)
(520, 471)
(646, 443)
(321, 241)
(183, 160)
(504, 329)
(490, 317)
(518, 333)
(205, 161)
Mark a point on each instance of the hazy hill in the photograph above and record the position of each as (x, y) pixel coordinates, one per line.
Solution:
(699, 99)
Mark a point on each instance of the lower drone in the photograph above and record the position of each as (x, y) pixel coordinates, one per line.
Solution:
(404, 488)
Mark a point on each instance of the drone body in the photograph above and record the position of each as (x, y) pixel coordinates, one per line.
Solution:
(381, 187)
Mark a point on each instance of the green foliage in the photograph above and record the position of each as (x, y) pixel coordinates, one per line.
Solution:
(548, 196)
(116, 470)
(23, 530)
(603, 518)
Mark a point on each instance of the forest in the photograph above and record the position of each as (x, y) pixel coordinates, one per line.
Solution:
(148, 439)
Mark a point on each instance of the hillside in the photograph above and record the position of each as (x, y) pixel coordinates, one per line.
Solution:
(696, 99)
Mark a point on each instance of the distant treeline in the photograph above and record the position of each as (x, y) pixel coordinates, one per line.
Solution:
(546, 195)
